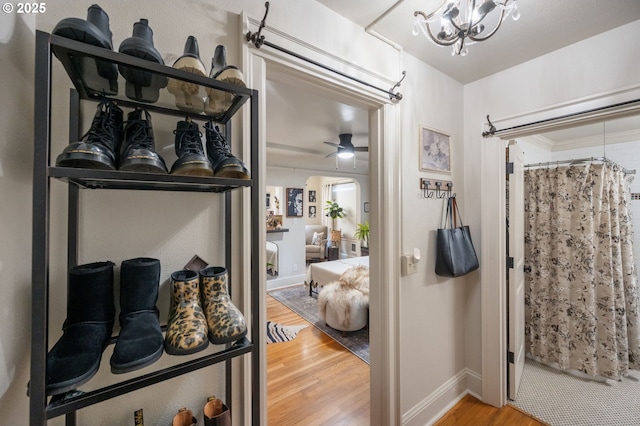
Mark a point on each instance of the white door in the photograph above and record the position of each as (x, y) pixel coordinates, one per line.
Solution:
(515, 249)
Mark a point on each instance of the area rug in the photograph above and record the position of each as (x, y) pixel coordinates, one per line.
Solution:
(298, 300)
(561, 399)
(277, 333)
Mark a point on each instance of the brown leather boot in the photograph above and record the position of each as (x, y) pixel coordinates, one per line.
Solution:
(184, 418)
(216, 413)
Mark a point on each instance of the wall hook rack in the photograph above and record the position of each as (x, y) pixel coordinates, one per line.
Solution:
(256, 38)
(437, 189)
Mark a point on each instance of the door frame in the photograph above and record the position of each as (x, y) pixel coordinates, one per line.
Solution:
(492, 208)
(384, 179)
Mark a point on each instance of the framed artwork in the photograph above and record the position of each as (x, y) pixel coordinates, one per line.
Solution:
(295, 203)
(312, 211)
(435, 151)
(312, 196)
(268, 200)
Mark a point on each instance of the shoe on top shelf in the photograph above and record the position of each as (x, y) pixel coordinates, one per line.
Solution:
(187, 94)
(219, 101)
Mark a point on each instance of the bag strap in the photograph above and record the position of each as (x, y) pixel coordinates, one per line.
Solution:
(456, 213)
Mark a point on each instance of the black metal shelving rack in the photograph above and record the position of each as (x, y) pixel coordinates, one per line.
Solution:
(69, 52)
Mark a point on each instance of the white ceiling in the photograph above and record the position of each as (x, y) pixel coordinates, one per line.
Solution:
(544, 26)
(301, 118)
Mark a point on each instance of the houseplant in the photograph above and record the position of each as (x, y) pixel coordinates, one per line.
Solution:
(334, 211)
(362, 233)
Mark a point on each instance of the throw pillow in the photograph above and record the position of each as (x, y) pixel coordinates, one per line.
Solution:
(317, 238)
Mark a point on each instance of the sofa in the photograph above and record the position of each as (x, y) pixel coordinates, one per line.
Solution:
(318, 250)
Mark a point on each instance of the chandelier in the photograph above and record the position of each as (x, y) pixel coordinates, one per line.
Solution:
(460, 22)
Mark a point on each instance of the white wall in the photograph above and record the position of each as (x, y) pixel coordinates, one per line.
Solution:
(590, 70)
(432, 309)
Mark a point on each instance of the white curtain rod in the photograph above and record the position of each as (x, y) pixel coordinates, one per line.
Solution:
(579, 161)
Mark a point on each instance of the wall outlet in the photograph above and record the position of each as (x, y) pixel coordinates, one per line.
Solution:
(408, 264)
(295, 267)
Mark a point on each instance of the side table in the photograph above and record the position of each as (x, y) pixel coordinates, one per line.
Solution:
(334, 253)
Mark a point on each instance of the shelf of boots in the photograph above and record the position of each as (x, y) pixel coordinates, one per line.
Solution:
(81, 61)
(75, 400)
(114, 179)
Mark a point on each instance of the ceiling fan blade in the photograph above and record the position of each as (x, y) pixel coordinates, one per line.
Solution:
(335, 145)
(361, 148)
(333, 154)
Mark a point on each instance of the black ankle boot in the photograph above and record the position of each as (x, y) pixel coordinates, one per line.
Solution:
(191, 158)
(141, 85)
(98, 147)
(140, 342)
(187, 94)
(75, 358)
(138, 149)
(95, 31)
(224, 163)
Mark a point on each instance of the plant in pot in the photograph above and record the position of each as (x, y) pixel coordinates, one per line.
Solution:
(362, 233)
(334, 211)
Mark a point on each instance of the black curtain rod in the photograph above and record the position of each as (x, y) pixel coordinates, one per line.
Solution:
(258, 40)
(493, 132)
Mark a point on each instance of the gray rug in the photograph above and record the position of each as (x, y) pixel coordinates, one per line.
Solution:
(561, 399)
(298, 300)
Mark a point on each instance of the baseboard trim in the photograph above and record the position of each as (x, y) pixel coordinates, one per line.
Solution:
(274, 283)
(433, 407)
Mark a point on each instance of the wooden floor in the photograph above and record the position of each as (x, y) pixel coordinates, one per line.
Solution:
(312, 380)
(470, 411)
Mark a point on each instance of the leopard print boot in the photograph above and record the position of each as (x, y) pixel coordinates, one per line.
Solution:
(187, 325)
(225, 321)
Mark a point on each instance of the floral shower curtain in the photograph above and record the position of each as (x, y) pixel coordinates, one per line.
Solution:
(581, 303)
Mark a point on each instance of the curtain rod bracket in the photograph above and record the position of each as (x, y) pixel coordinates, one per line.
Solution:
(491, 131)
(397, 97)
(256, 38)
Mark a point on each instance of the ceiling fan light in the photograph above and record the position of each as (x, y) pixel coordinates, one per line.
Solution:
(345, 154)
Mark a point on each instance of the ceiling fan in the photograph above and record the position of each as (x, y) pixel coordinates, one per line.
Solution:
(345, 148)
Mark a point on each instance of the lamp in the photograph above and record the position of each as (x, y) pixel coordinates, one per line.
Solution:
(461, 24)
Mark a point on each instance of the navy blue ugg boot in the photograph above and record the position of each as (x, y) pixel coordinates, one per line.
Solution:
(140, 342)
(75, 358)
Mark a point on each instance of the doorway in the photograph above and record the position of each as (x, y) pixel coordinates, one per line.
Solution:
(385, 225)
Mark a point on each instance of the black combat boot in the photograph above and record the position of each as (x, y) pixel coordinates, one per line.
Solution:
(140, 342)
(191, 158)
(219, 101)
(188, 94)
(141, 85)
(95, 31)
(224, 163)
(138, 149)
(98, 147)
(75, 358)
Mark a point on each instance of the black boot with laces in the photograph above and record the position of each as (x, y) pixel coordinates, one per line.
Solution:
(224, 163)
(191, 158)
(98, 147)
(138, 150)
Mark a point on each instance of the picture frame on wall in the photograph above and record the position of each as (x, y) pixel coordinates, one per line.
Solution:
(312, 196)
(435, 151)
(312, 212)
(295, 203)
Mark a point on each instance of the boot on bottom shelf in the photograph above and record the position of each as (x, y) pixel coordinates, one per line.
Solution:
(184, 418)
(140, 342)
(75, 358)
(187, 326)
(216, 413)
(225, 322)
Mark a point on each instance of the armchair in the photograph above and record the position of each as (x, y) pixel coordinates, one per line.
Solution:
(318, 250)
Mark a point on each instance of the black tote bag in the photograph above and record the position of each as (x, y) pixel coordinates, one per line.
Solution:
(455, 254)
